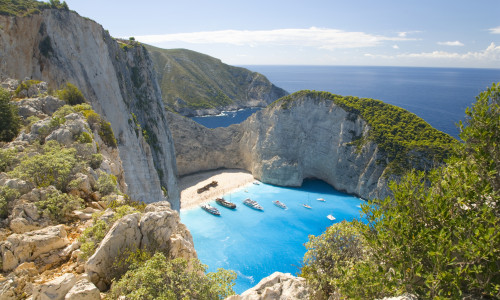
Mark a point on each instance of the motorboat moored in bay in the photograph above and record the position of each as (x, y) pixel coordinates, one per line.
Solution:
(210, 209)
(252, 204)
(279, 204)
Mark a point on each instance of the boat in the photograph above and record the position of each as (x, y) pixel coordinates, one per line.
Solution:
(279, 204)
(321, 199)
(210, 209)
(330, 217)
(256, 183)
(223, 202)
(308, 201)
(252, 203)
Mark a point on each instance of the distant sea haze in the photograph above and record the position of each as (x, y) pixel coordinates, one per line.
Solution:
(438, 95)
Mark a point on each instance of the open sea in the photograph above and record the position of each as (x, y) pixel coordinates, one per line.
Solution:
(438, 95)
(255, 244)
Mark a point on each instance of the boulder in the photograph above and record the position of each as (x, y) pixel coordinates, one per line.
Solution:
(25, 217)
(83, 290)
(158, 228)
(124, 236)
(19, 248)
(277, 286)
(55, 289)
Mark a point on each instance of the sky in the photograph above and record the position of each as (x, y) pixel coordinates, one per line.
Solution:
(422, 33)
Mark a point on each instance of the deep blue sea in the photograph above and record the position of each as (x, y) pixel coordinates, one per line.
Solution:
(438, 95)
(256, 244)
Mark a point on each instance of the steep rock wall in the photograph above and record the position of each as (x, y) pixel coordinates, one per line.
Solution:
(60, 46)
(312, 138)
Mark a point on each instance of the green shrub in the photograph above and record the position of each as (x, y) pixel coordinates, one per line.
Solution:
(84, 138)
(96, 161)
(59, 205)
(91, 237)
(107, 135)
(160, 278)
(7, 159)
(71, 94)
(6, 195)
(53, 166)
(10, 123)
(106, 184)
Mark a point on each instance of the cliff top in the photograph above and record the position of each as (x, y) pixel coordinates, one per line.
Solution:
(397, 132)
(27, 7)
(193, 80)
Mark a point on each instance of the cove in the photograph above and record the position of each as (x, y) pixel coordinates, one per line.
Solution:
(257, 243)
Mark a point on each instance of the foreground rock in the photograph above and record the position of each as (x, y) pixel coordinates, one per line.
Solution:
(157, 229)
(277, 286)
(38, 244)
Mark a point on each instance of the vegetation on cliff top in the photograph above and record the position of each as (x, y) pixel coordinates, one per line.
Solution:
(189, 79)
(438, 237)
(27, 7)
(403, 137)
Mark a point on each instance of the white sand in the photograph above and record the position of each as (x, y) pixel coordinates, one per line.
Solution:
(227, 179)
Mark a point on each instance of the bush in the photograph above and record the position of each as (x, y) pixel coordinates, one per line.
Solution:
(106, 184)
(6, 195)
(71, 94)
(7, 159)
(59, 205)
(96, 160)
(10, 123)
(53, 166)
(160, 278)
(93, 235)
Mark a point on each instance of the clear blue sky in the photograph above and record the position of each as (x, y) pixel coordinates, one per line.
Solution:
(427, 33)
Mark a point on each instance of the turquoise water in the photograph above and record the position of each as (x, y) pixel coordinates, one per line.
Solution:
(257, 243)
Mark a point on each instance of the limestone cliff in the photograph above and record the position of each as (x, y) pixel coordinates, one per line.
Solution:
(59, 46)
(305, 135)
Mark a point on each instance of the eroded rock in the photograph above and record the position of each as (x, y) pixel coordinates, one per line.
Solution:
(277, 286)
(19, 248)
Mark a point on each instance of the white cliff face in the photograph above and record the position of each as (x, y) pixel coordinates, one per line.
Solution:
(60, 46)
(309, 139)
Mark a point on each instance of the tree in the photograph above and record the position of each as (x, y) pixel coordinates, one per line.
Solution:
(10, 123)
(161, 278)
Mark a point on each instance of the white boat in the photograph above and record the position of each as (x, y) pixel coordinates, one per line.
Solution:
(210, 209)
(279, 204)
(321, 199)
(256, 183)
(330, 217)
(252, 203)
(306, 206)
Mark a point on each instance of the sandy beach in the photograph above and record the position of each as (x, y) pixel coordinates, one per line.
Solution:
(227, 181)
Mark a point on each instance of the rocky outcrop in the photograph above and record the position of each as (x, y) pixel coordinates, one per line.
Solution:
(157, 229)
(277, 286)
(310, 139)
(58, 46)
(19, 248)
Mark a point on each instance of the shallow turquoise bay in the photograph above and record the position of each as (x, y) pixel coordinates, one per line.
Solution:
(257, 243)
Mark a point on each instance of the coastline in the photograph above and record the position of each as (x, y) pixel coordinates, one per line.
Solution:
(228, 180)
